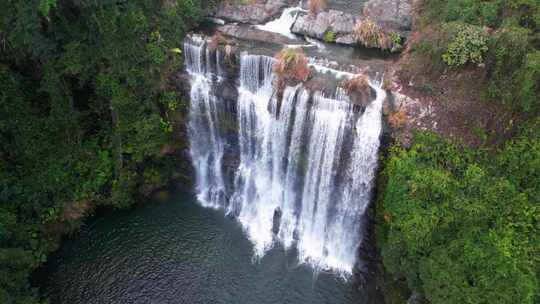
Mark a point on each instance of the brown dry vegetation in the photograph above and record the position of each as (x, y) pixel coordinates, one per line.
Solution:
(359, 84)
(291, 67)
(217, 40)
(399, 118)
(317, 6)
(370, 35)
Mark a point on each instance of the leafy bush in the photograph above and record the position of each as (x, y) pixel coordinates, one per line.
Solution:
(505, 62)
(529, 83)
(468, 44)
(475, 12)
(329, 37)
(461, 226)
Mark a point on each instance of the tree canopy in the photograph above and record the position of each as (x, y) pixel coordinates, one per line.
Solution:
(463, 226)
(83, 115)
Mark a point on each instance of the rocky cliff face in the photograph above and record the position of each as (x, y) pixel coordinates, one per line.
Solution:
(391, 15)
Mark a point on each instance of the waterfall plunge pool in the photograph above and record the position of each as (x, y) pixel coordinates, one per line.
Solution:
(172, 250)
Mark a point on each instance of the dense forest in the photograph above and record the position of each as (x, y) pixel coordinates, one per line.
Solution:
(84, 104)
(460, 223)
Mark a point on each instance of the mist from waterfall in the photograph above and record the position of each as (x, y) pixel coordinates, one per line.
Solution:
(306, 162)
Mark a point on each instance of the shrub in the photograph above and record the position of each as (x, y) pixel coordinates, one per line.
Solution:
(329, 37)
(359, 84)
(398, 119)
(529, 83)
(316, 6)
(291, 66)
(367, 33)
(468, 44)
(506, 61)
(370, 35)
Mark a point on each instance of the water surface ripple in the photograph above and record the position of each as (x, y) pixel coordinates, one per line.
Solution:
(174, 251)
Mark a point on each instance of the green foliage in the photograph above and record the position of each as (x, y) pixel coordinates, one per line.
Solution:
(456, 33)
(329, 37)
(45, 6)
(510, 48)
(396, 39)
(462, 228)
(82, 109)
(475, 12)
(492, 13)
(529, 82)
(468, 44)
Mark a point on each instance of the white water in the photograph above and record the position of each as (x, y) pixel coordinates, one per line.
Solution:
(207, 142)
(310, 162)
(283, 24)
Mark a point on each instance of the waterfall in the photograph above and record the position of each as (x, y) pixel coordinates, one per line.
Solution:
(306, 167)
(207, 140)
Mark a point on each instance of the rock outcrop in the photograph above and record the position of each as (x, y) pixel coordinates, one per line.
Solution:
(393, 19)
(258, 12)
(331, 26)
(391, 15)
(253, 34)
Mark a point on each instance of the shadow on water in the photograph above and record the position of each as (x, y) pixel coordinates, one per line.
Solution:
(173, 251)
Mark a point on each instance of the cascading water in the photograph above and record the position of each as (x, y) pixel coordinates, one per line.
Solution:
(283, 24)
(207, 141)
(306, 167)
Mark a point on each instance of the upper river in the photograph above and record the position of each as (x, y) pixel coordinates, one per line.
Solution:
(172, 250)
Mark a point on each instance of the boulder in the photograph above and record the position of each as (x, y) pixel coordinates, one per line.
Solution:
(349, 39)
(258, 12)
(391, 15)
(246, 32)
(340, 24)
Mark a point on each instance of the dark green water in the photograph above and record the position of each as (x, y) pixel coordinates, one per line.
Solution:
(173, 251)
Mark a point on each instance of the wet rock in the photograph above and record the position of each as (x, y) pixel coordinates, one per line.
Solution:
(363, 99)
(276, 221)
(227, 91)
(254, 13)
(340, 24)
(250, 33)
(347, 39)
(391, 15)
